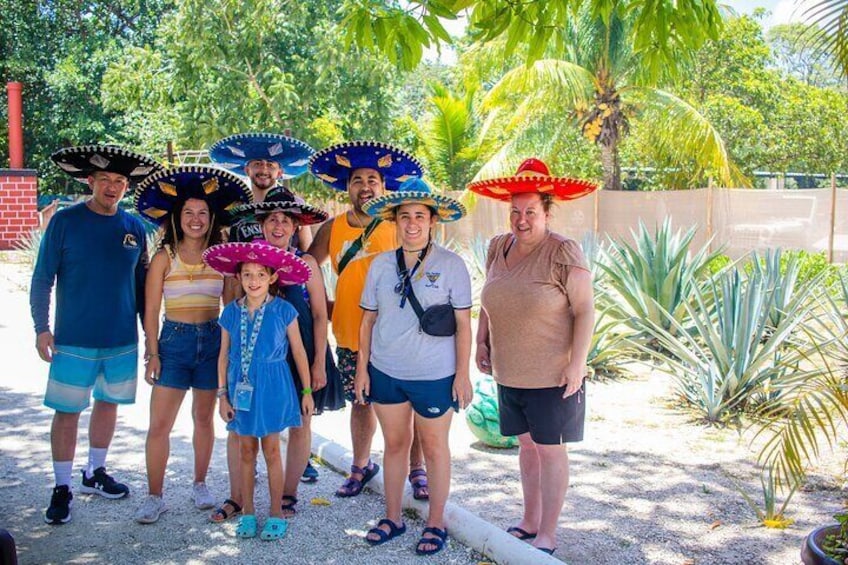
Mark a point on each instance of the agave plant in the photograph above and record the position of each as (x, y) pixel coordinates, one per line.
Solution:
(474, 254)
(732, 355)
(610, 338)
(29, 244)
(779, 277)
(656, 278)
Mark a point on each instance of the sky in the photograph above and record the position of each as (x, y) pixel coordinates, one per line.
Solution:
(782, 11)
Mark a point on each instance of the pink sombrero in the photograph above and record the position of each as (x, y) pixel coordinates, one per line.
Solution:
(226, 257)
(532, 176)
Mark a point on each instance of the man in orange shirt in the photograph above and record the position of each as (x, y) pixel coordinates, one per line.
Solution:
(351, 240)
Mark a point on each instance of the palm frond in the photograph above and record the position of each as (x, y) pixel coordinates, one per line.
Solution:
(543, 80)
(679, 130)
(831, 17)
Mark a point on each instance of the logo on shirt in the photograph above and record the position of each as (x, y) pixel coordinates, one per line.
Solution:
(130, 242)
(432, 279)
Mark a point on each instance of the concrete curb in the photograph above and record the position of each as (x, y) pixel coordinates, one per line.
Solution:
(468, 528)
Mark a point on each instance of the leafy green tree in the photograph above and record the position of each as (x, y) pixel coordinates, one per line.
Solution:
(795, 54)
(226, 66)
(769, 120)
(59, 50)
(402, 29)
(604, 79)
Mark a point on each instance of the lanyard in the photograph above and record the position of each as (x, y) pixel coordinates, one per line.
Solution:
(405, 285)
(248, 345)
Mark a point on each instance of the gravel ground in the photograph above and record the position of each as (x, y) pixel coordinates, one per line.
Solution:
(648, 485)
(103, 531)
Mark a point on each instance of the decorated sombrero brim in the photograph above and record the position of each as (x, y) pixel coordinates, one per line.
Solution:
(415, 191)
(532, 177)
(226, 257)
(82, 161)
(236, 151)
(160, 192)
(280, 199)
(334, 164)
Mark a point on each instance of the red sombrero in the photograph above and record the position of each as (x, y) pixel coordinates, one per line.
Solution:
(532, 176)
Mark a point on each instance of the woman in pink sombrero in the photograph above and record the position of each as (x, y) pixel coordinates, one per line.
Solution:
(257, 396)
(533, 337)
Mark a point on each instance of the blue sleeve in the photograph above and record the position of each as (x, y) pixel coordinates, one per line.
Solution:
(44, 274)
(141, 274)
(287, 312)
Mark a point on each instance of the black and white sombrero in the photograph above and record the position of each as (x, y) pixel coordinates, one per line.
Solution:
(82, 161)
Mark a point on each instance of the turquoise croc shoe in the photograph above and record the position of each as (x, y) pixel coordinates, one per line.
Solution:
(247, 526)
(275, 528)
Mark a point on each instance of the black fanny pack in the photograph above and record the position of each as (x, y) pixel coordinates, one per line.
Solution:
(439, 320)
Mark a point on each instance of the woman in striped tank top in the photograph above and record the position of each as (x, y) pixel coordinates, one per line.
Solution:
(188, 203)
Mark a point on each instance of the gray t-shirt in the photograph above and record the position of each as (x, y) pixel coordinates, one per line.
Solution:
(398, 347)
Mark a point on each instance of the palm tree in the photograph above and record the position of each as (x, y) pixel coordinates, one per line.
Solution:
(604, 78)
(448, 138)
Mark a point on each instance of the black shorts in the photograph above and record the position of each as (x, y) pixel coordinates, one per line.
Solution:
(550, 419)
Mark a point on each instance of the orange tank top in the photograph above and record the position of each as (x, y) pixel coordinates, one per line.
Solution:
(347, 315)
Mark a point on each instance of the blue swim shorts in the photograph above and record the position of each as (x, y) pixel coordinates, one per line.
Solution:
(111, 371)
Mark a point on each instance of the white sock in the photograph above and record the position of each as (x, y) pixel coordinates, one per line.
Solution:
(96, 459)
(62, 472)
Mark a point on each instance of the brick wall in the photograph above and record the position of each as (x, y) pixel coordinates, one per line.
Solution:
(18, 208)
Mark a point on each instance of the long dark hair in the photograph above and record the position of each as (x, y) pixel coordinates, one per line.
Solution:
(172, 230)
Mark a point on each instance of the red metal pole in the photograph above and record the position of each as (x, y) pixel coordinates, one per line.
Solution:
(16, 127)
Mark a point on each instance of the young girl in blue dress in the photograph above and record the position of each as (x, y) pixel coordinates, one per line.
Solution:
(280, 215)
(258, 399)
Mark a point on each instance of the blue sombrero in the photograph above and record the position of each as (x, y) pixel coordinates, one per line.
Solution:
(158, 193)
(236, 151)
(84, 160)
(415, 191)
(334, 164)
(280, 199)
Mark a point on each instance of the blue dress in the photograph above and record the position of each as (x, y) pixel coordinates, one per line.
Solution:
(274, 405)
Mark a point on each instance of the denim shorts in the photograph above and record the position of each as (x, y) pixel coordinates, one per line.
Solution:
(429, 399)
(112, 372)
(189, 355)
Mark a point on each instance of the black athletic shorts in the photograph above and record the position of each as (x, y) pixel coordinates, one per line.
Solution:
(550, 419)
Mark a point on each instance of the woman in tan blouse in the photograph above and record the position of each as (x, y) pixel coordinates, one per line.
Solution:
(533, 338)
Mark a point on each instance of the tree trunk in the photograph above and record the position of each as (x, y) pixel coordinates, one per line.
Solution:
(611, 165)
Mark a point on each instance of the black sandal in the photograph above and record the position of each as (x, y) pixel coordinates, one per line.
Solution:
(289, 503)
(224, 515)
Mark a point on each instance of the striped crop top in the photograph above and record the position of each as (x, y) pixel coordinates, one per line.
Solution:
(191, 288)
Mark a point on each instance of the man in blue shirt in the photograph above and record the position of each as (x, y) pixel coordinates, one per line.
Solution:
(96, 255)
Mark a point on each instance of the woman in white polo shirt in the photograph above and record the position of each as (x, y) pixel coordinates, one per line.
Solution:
(409, 374)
